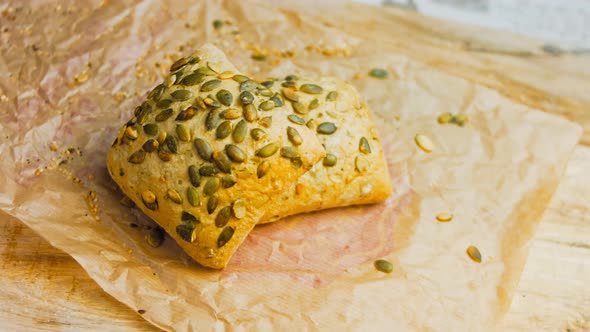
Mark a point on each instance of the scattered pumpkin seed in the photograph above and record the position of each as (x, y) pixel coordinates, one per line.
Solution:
(211, 102)
(267, 105)
(200, 103)
(149, 200)
(326, 128)
(311, 89)
(164, 115)
(314, 104)
(299, 107)
(296, 119)
(223, 216)
(174, 196)
(208, 170)
(226, 75)
(332, 96)
(361, 164)
(290, 94)
(193, 175)
(212, 204)
(178, 64)
(444, 217)
(239, 208)
(187, 114)
(137, 157)
(164, 155)
(294, 136)
(257, 134)
(225, 236)
(150, 145)
(460, 119)
(206, 71)
(235, 153)
(267, 150)
(330, 160)
(193, 197)
(181, 95)
(266, 122)
(172, 143)
(240, 131)
(155, 237)
(258, 57)
(192, 79)
(240, 78)
(384, 266)
(214, 66)
(194, 59)
(378, 73)
(186, 232)
(164, 103)
(223, 130)
(150, 129)
(289, 84)
(277, 100)
(248, 85)
(289, 152)
(211, 186)
(263, 168)
(162, 137)
(217, 24)
(230, 114)
(183, 133)
(246, 97)
(222, 161)
(291, 77)
(265, 92)
(474, 254)
(131, 133)
(210, 85)
(212, 120)
(250, 112)
(311, 124)
(424, 143)
(203, 149)
(444, 118)
(228, 181)
(268, 84)
(156, 93)
(225, 97)
(364, 146)
(169, 81)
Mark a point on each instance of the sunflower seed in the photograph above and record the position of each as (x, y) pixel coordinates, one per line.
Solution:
(164, 115)
(164, 103)
(212, 204)
(266, 122)
(248, 85)
(225, 97)
(205, 71)
(257, 134)
(235, 153)
(361, 164)
(150, 129)
(444, 118)
(149, 200)
(267, 84)
(181, 94)
(172, 143)
(296, 119)
(208, 170)
(326, 128)
(137, 157)
(332, 96)
(330, 160)
(223, 130)
(156, 93)
(223, 216)
(364, 146)
(294, 136)
(203, 148)
(230, 114)
(225, 236)
(211, 102)
(267, 105)
(226, 75)
(210, 85)
(383, 266)
(193, 175)
(424, 143)
(222, 161)
(174, 196)
(311, 89)
(289, 152)
(187, 114)
(211, 186)
(183, 133)
(155, 237)
(164, 155)
(378, 73)
(444, 217)
(186, 232)
(277, 99)
(474, 254)
(239, 208)
(240, 78)
(192, 79)
(212, 119)
(240, 131)
(193, 197)
(150, 145)
(246, 97)
(228, 181)
(263, 168)
(299, 107)
(178, 64)
(267, 150)
(290, 94)
(250, 112)
(131, 133)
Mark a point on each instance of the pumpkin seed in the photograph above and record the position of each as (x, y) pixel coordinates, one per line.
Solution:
(222, 161)
(246, 97)
(212, 119)
(164, 103)
(226, 75)
(187, 114)
(296, 162)
(193, 175)
(266, 122)
(314, 104)
(150, 145)
(267, 105)
(294, 136)
(172, 143)
(424, 143)
(223, 130)
(150, 129)
(296, 119)
(155, 237)
(212, 204)
(194, 59)
(162, 137)
(444, 217)
(178, 64)
(183, 133)
(223, 216)
(444, 118)
(217, 24)
(311, 124)
(156, 93)
(257, 134)
(291, 77)
(203, 149)
(131, 133)
(326, 128)
(193, 196)
(214, 66)
(225, 97)
(460, 119)
(235, 153)
(211, 186)
(384, 266)
(211, 102)
(268, 84)
(240, 131)
(174, 196)
(164, 115)
(330, 160)
(186, 232)
(289, 152)
(208, 170)
(248, 85)
(225, 236)
(228, 181)
(210, 85)
(230, 114)
(178, 77)
(192, 79)
(364, 146)
(250, 112)
(290, 94)
(299, 107)
(205, 71)
(267, 150)
(181, 95)
(258, 57)
(311, 89)
(332, 96)
(289, 84)
(169, 81)
(277, 99)
(149, 200)
(265, 92)
(361, 164)
(263, 168)
(474, 254)
(137, 157)
(239, 208)
(378, 73)
(164, 155)
(240, 78)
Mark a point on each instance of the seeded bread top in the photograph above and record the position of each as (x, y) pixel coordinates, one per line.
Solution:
(208, 153)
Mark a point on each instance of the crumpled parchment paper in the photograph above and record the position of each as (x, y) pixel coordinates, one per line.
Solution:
(64, 94)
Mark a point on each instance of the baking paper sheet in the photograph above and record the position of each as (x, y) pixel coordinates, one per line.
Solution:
(64, 93)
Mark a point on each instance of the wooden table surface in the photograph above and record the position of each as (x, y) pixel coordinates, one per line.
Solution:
(42, 288)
